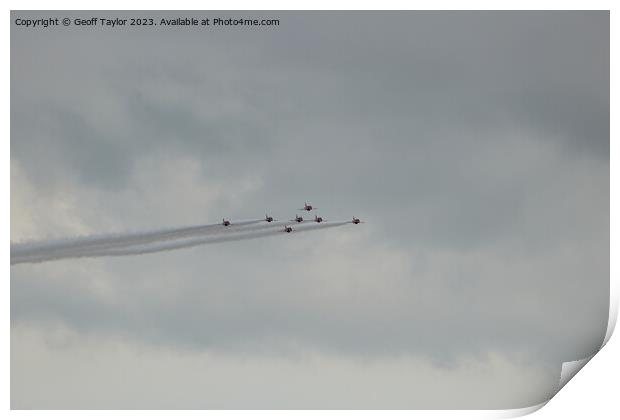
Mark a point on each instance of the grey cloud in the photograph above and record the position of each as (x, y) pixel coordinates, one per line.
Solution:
(476, 145)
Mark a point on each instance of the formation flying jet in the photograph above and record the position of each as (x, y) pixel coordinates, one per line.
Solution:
(298, 219)
(308, 207)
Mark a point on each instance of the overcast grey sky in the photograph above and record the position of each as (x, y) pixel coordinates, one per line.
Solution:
(474, 144)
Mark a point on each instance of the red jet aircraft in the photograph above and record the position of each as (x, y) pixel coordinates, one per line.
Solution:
(308, 207)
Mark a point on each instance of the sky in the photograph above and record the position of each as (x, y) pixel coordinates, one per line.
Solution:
(475, 146)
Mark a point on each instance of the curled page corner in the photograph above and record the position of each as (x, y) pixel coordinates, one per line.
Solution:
(519, 412)
(570, 369)
(613, 311)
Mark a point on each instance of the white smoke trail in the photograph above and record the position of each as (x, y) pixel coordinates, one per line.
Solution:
(61, 247)
(118, 239)
(99, 248)
(167, 246)
(169, 243)
(173, 234)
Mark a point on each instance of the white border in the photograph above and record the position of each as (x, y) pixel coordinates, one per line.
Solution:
(590, 386)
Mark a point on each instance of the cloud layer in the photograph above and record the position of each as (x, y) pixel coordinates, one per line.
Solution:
(475, 145)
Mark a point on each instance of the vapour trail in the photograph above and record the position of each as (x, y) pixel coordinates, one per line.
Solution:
(269, 231)
(225, 236)
(95, 244)
(121, 239)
